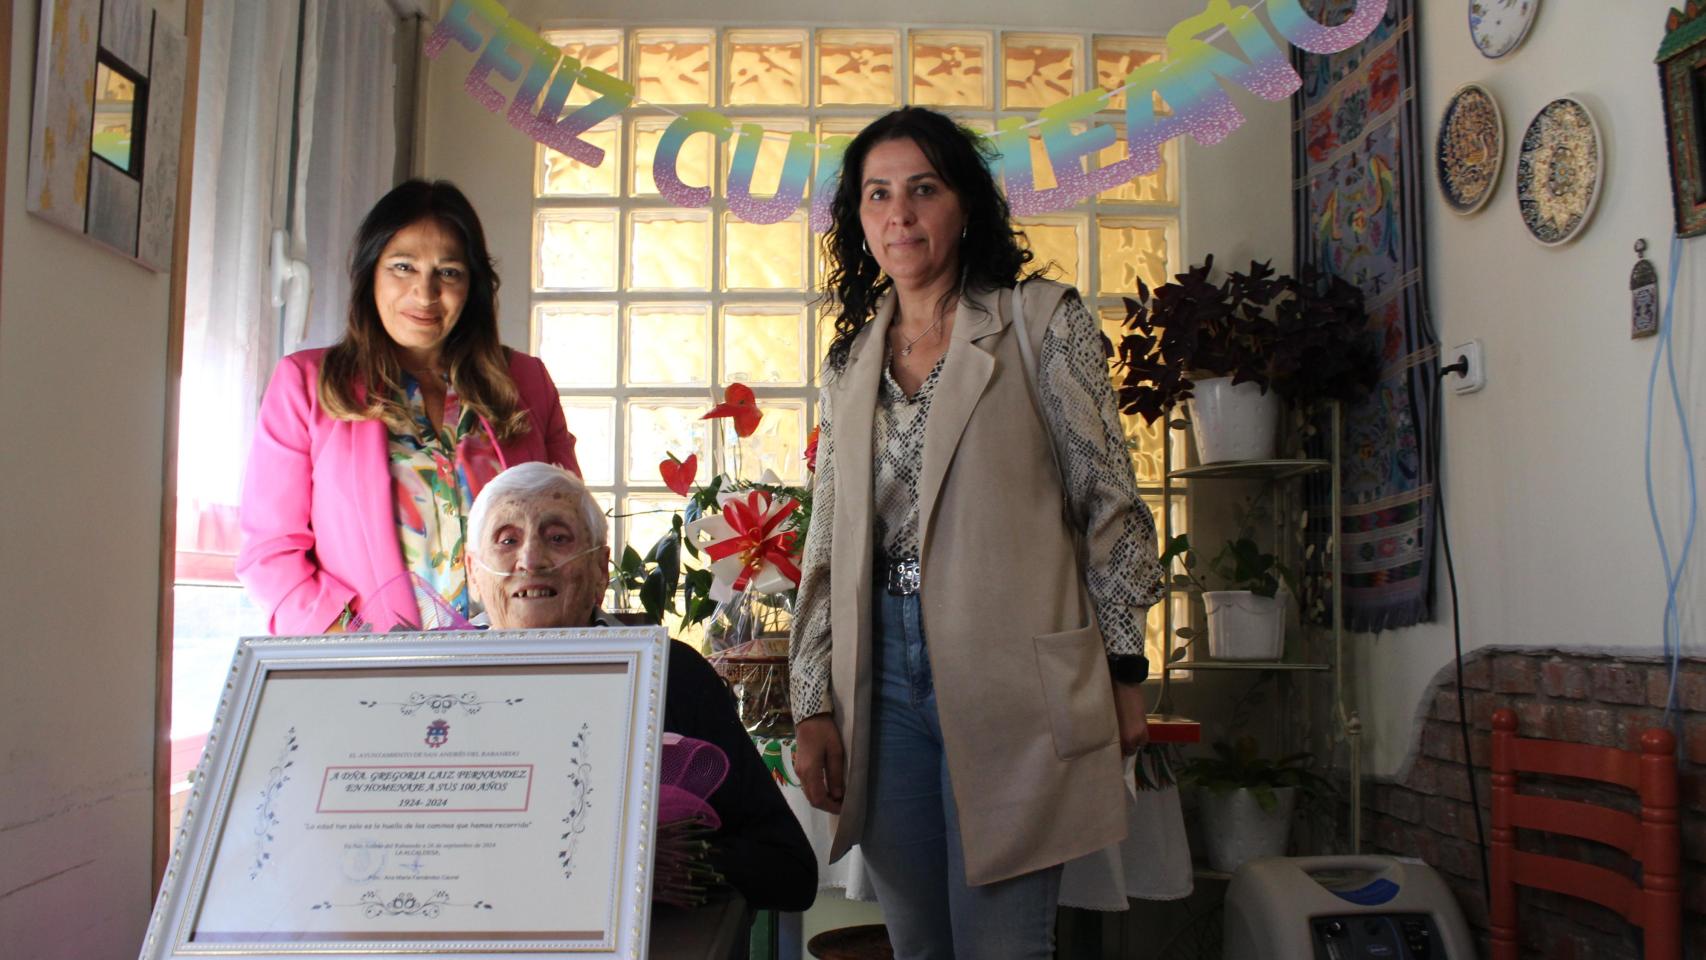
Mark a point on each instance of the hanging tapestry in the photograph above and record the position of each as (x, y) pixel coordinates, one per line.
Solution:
(1358, 205)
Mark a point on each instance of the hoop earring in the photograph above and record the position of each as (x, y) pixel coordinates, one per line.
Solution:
(963, 230)
(865, 247)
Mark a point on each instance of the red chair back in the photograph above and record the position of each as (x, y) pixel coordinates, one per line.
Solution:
(1653, 838)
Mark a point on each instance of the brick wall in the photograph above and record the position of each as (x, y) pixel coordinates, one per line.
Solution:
(1604, 700)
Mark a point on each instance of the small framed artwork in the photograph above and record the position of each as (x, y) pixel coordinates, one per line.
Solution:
(105, 125)
(466, 793)
(1682, 82)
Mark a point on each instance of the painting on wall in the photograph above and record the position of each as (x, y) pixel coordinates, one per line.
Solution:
(1682, 81)
(105, 125)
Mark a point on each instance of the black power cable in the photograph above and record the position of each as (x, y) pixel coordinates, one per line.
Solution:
(1461, 368)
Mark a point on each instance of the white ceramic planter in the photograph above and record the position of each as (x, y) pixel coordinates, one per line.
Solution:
(1244, 626)
(1236, 828)
(1233, 423)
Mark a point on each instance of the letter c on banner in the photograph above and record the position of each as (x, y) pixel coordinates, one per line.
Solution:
(669, 149)
(1306, 33)
(790, 186)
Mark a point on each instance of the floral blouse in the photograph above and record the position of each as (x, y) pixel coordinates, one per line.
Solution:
(436, 474)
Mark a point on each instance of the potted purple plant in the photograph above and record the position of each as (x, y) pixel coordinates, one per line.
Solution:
(1233, 348)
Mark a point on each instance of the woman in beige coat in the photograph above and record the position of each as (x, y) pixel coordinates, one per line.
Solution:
(968, 644)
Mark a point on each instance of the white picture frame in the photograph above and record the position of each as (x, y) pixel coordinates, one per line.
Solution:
(482, 794)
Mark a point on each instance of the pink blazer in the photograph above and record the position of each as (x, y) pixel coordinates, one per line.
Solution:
(319, 520)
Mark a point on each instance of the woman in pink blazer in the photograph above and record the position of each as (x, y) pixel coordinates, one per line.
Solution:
(367, 455)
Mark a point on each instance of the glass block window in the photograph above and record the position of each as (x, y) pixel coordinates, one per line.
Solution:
(674, 66)
(764, 68)
(1039, 69)
(950, 68)
(644, 312)
(856, 67)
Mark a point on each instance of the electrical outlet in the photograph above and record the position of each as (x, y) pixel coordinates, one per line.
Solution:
(1474, 374)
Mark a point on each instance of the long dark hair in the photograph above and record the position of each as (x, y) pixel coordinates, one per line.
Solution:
(360, 377)
(993, 253)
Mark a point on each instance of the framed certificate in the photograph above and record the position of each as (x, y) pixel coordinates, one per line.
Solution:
(469, 794)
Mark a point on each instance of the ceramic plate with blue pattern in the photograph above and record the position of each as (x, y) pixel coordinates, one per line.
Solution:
(1558, 171)
(1470, 148)
(1498, 26)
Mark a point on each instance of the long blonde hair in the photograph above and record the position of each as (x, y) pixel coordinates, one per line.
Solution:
(361, 377)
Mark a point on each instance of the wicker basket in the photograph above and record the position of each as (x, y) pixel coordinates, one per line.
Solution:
(760, 685)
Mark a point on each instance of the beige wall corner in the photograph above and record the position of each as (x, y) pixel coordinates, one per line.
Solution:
(169, 450)
(84, 380)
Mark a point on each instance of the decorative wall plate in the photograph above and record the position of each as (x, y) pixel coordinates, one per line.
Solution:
(1558, 171)
(1470, 148)
(1498, 26)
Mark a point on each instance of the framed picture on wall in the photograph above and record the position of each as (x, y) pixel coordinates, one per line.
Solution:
(106, 123)
(1682, 81)
(472, 793)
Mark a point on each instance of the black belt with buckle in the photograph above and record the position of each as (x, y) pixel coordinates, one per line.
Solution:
(901, 577)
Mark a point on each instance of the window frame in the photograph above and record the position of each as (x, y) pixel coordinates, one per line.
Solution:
(815, 116)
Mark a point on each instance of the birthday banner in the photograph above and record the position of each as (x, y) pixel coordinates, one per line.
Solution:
(1189, 80)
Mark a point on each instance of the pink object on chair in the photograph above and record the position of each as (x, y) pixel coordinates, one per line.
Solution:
(1653, 839)
(689, 771)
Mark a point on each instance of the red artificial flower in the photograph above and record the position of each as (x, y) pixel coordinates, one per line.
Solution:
(739, 405)
(811, 450)
(678, 475)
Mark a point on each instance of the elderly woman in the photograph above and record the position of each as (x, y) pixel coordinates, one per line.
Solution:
(539, 556)
(368, 455)
(968, 641)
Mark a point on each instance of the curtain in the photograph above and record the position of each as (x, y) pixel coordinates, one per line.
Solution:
(251, 91)
(347, 150)
(243, 109)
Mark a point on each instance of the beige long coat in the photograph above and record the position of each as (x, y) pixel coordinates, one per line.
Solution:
(1021, 675)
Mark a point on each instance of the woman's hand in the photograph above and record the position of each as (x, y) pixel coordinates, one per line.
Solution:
(1133, 716)
(820, 763)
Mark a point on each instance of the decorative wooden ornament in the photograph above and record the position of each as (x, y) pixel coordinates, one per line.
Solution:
(1644, 295)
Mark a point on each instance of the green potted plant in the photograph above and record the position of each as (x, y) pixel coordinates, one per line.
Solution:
(1232, 349)
(1241, 593)
(1247, 800)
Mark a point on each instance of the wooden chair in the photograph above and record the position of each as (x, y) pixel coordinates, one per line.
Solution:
(1653, 839)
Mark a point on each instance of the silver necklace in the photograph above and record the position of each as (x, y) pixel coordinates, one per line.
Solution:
(906, 348)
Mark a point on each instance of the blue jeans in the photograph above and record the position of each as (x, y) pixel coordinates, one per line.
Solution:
(912, 831)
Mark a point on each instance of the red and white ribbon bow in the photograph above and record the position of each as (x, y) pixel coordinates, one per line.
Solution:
(747, 547)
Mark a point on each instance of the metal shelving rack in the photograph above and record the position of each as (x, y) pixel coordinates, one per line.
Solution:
(1276, 472)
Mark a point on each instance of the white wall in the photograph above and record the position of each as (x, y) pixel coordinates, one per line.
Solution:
(1543, 469)
(82, 384)
(1236, 200)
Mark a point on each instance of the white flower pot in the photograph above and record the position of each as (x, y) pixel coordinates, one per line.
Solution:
(1236, 828)
(1233, 423)
(1244, 626)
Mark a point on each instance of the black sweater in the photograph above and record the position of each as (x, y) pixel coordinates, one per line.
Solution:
(760, 847)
